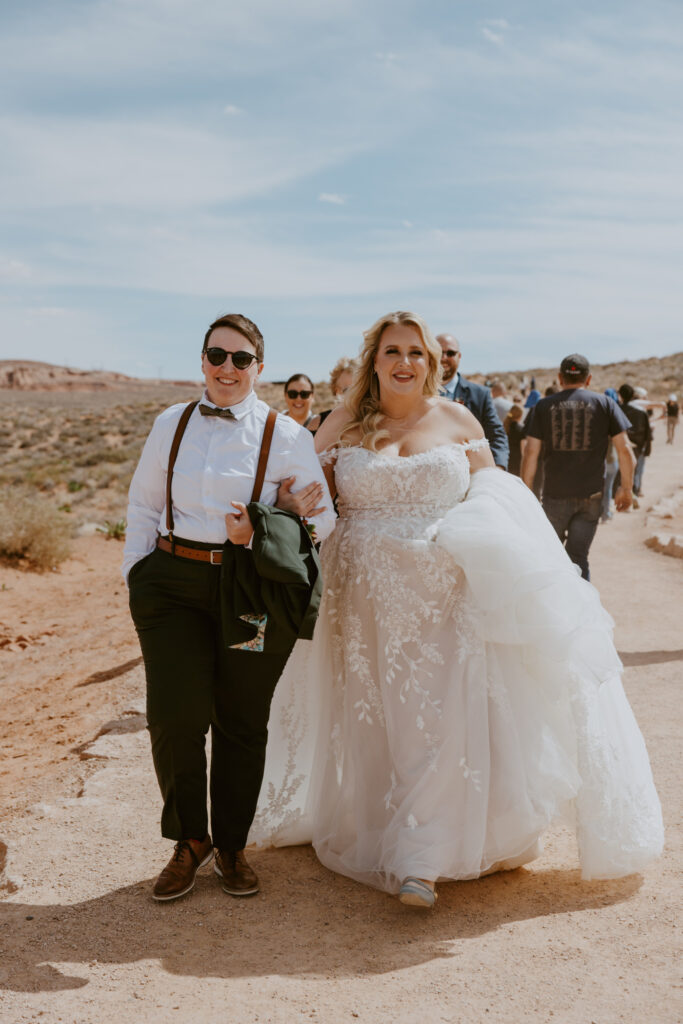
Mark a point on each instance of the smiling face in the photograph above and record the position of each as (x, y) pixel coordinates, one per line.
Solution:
(401, 362)
(225, 384)
(450, 356)
(299, 408)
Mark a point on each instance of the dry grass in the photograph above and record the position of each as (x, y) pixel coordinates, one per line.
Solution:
(32, 529)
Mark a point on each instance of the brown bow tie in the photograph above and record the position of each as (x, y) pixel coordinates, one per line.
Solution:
(208, 410)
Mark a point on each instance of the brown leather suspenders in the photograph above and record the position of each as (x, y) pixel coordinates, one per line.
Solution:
(173, 454)
(263, 454)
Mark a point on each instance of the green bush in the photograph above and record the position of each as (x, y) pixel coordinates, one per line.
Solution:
(32, 528)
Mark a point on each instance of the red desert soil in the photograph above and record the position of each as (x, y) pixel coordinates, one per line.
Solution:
(82, 941)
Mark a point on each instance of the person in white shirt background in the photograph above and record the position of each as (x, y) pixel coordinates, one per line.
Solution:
(193, 680)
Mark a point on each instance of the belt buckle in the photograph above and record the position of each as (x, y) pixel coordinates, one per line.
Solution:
(215, 551)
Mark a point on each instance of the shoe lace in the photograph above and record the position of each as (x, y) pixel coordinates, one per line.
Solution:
(181, 845)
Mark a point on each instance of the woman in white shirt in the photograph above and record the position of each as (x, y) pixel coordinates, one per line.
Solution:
(172, 564)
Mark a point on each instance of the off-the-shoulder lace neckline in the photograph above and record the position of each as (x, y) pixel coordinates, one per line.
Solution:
(463, 445)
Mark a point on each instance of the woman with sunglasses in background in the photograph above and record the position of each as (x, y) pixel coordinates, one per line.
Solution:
(173, 553)
(299, 396)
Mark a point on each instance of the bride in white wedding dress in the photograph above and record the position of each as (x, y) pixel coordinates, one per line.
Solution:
(462, 690)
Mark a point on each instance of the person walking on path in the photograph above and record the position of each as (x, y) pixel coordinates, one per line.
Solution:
(186, 609)
(672, 417)
(639, 432)
(474, 397)
(574, 427)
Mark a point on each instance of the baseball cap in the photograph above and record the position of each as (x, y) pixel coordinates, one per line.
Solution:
(575, 365)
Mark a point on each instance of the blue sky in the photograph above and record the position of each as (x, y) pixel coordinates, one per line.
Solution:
(511, 171)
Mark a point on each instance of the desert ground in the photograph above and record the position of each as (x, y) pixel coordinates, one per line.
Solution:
(82, 941)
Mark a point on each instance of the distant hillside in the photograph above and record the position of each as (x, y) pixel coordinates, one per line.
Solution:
(27, 375)
(658, 375)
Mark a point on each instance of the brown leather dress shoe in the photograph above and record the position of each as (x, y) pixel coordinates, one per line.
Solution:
(238, 878)
(178, 876)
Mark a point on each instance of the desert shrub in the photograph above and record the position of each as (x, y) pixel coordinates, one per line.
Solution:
(121, 455)
(113, 529)
(92, 458)
(32, 528)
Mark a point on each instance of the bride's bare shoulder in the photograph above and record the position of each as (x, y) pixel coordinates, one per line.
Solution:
(457, 421)
(330, 432)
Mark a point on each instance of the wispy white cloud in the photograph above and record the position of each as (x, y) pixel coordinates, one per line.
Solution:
(493, 37)
(117, 39)
(493, 29)
(12, 269)
(331, 197)
(147, 164)
(232, 111)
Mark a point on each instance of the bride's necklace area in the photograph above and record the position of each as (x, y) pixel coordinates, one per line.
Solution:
(398, 424)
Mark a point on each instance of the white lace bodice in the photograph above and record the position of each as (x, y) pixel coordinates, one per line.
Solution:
(412, 487)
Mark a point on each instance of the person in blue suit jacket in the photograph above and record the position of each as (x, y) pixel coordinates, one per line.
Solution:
(474, 397)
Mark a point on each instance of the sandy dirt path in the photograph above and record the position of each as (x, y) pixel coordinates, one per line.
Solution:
(81, 940)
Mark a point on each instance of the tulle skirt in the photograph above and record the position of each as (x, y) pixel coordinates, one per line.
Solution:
(461, 692)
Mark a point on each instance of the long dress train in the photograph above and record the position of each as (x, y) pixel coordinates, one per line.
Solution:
(461, 691)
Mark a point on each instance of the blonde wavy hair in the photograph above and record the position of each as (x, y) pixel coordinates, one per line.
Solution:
(362, 399)
(342, 365)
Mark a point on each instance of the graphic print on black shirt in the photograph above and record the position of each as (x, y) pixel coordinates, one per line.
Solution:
(570, 423)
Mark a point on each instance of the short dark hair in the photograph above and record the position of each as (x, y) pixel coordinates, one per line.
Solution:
(626, 393)
(297, 376)
(240, 323)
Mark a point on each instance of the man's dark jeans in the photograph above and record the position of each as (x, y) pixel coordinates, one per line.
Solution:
(575, 521)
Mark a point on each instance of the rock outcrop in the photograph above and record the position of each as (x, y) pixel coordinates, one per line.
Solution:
(27, 375)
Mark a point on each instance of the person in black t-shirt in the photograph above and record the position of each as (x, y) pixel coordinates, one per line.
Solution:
(573, 427)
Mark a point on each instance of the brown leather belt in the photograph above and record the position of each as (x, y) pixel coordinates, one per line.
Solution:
(213, 555)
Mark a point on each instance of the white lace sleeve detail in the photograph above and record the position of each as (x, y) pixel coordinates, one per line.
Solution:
(329, 456)
(476, 446)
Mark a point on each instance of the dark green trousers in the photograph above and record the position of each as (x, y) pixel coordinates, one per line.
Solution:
(193, 684)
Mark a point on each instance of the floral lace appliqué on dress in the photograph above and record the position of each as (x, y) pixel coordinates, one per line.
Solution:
(433, 729)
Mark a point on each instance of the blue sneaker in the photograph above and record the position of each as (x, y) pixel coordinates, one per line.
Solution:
(416, 893)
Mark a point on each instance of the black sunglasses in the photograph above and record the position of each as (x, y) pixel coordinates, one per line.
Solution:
(291, 393)
(450, 352)
(240, 360)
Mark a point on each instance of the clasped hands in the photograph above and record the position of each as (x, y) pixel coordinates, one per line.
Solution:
(303, 503)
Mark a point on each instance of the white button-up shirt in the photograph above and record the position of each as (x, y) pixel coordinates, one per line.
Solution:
(216, 465)
(450, 386)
